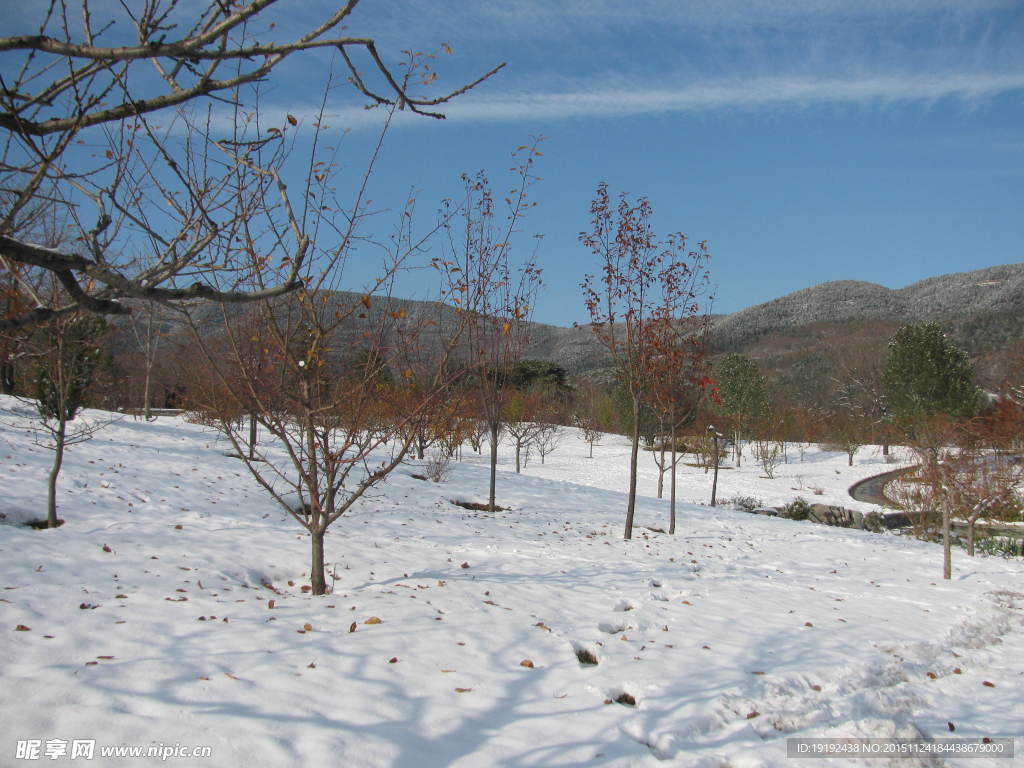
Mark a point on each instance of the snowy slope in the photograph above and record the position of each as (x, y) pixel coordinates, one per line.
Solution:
(731, 636)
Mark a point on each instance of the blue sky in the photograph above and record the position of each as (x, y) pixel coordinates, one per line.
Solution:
(806, 141)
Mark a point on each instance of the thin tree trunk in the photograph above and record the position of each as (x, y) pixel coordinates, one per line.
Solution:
(145, 390)
(7, 378)
(970, 535)
(494, 465)
(714, 481)
(633, 456)
(947, 543)
(591, 454)
(58, 459)
(518, 448)
(672, 487)
(318, 581)
(252, 436)
(661, 471)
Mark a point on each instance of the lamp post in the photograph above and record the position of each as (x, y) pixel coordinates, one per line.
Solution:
(714, 483)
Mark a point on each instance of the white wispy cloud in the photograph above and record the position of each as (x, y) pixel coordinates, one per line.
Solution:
(752, 94)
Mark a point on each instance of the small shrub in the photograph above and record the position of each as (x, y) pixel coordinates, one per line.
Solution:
(744, 503)
(437, 467)
(768, 454)
(1001, 546)
(798, 509)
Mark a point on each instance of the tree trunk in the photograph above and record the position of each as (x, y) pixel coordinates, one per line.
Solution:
(317, 580)
(58, 459)
(494, 465)
(518, 448)
(661, 471)
(146, 390)
(947, 543)
(591, 454)
(970, 535)
(714, 481)
(7, 378)
(252, 436)
(849, 461)
(633, 456)
(672, 485)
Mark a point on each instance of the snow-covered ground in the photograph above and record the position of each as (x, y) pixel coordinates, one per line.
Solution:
(149, 622)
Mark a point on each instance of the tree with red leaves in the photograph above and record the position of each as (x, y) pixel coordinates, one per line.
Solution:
(643, 305)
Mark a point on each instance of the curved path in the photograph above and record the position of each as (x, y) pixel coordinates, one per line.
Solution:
(871, 490)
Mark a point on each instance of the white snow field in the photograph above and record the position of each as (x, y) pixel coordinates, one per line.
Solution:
(146, 619)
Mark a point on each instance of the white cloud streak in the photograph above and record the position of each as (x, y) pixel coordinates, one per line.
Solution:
(753, 94)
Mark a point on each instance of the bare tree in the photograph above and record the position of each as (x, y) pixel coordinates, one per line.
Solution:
(547, 439)
(593, 413)
(521, 418)
(154, 209)
(494, 291)
(348, 374)
(69, 352)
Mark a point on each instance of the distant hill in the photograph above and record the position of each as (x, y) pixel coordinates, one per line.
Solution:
(980, 308)
(795, 338)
